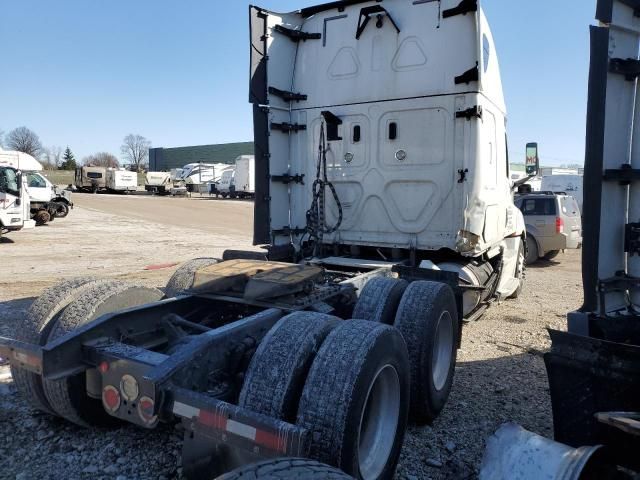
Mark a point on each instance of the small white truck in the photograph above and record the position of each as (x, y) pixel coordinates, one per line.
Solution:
(120, 180)
(47, 201)
(14, 201)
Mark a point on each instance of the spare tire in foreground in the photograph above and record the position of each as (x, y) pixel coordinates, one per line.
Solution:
(40, 318)
(286, 469)
(68, 397)
(183, 278)
(356, 398)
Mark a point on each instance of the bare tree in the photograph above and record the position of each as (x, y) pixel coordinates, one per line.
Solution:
(1, 138)
(51, 158)
(135, 149)
(102, 159)
(24, 140)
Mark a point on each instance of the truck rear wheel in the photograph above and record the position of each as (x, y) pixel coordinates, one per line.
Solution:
(35, 328)
(285, 469)
(428, 320)
(379, 300)
(68, 397)
(183, 277)
(356, 398)
(279, 368)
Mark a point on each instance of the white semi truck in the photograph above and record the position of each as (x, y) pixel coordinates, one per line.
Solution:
(47, 200)
(386, 216)
(119, 180)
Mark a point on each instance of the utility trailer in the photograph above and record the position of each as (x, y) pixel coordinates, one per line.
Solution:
(385, 210)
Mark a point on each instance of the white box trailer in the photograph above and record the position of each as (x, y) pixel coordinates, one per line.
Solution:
(121, 181)
(569, 184)
(244, 177)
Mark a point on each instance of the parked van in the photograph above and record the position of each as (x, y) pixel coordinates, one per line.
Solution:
(553, 224)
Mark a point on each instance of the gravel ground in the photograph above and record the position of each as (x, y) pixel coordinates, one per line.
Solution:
(500, 374)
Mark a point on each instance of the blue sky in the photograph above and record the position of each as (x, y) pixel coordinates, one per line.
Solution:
(86, 73)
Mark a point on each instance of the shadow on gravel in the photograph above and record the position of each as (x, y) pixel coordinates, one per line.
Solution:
(542, 263)
(485, 395)
(6, 240)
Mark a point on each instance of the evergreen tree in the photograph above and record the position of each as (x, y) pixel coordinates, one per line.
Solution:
(69, 161)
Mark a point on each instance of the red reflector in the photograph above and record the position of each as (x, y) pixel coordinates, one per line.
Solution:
(271, 441)
(145, 411)
(111, 398)
(559, 225)
(103, 367)
(212, 420)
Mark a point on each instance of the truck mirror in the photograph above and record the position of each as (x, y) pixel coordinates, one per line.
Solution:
(532, 164)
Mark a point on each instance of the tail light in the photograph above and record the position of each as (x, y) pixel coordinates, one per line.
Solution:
(559, 225)
(111, 398)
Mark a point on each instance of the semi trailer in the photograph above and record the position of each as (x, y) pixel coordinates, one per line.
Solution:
(384, 209)
(593, 365)
(47, 201)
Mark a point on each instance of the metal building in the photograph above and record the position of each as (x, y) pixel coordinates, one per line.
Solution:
(164, 159)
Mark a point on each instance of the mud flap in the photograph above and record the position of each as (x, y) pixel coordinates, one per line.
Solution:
(589, 376)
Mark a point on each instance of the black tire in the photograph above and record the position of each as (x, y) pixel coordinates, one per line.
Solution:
(279, 368)
(182, 279)
(42, 217)
(379, 300)
(35, 328)
(358, 380)
(68, 396)
(551, 255)
(62, 210)
(286, 469)
(520, 270)
(532, 251)
(428, 320)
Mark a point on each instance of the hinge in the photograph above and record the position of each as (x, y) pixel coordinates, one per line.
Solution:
(287, 178)
(634, 4)
(629, 67)
(632, 238)
(297, 35)
(625, 174)
(288, 127)
(288, 231)
(469, 113)
(287, 96)
(463, 175)
(464, 7)
(471, 75)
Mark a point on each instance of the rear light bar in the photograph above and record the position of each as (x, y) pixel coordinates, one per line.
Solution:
(559, 225)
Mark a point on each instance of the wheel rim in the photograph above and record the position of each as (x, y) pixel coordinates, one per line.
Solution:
(442, 351)
(378, 423)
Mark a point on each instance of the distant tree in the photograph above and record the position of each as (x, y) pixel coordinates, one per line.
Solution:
(51, 158)
(24, 140)
(135, 150)
(1, 138)
(68, 160)
(102, 159)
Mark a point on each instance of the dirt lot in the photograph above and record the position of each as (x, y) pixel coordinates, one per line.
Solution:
(500, 374)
